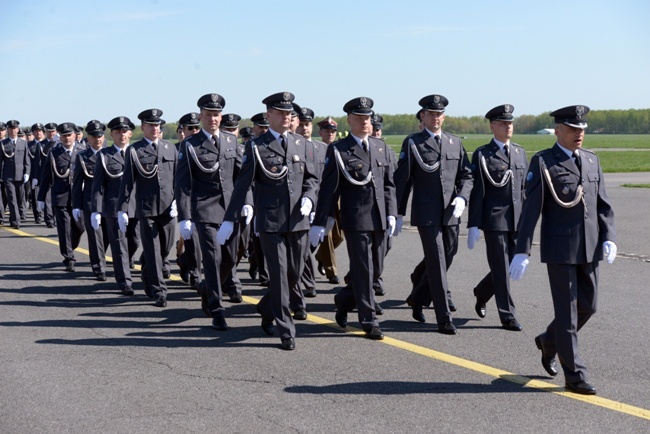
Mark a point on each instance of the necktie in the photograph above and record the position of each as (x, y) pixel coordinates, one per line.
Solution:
(437, 139)
(69, 153)
(122, 152)
(577, 160)
(283, 142)
(505, 150)
(364, 145)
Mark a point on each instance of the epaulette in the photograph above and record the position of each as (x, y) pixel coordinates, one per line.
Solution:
(544, 151)
(587, 150)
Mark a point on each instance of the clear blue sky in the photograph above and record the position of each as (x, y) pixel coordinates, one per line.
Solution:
(81, 60)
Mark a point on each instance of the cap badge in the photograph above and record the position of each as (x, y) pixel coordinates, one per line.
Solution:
(507, 108)
(286, 96)
(304, 110)
(436, 99)
(565, 190)
(364, 102)
(154, 112)
(231, 117)
(580, 110)
(121, 119)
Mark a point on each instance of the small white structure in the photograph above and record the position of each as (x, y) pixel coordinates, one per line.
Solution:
(547, 131)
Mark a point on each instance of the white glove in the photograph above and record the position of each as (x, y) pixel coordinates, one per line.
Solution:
(95, 220)
(186, 227)
(391, 225)
(34, 182)
(316, 235)
(225, 231)
(247, 212)
(459, 206)
(518, 266)
(25, 178)
(609, 249)
(40, 205)
(122, 221)
(173, 212)
(329, 225)
(305, 206)
(473, 235)
(398, 225)
(312, 216)
(76, 213)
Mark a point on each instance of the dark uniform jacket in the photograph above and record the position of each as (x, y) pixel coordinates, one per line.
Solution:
(201, 195)
(433, 192)
(109, 170)
(35, 160)
(14, 160)
(82, 179)
(276, 201)
(363, 207)
(44, 147)
(154, 194)
(572, 235)
(320, 152)
(57, 175)
(493, 208)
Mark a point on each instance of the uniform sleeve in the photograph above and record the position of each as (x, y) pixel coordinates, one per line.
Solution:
(464, 177)
(390, 196)
(328, 194)
(243, 184)
(183, 183)
(126, 186)
(46, 178)
(531, 208)
(77, 183)
(97, 193)
(402, 177)
(475, 212)
(606, 227)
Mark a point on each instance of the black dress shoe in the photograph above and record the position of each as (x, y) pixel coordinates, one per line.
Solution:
(49, 225)
(235, 297)
(149, 291)
(479, 307)
(37, 221)
(69, 268)
(253, 273)
(417, 313)
(334, 280)
(321, 269)
(300, 315)
(268, 327)
(15, 226)
(126, 290)
(452, 306)
(166, 274)
(185, 275)
(288, 344)
(375, 334)
(310, 292)
(378, 309)
(341, 317)
(195, 282)
(160, 302)
(548, 361)
(219, 323)
(447, 328)
(101, 277)
(512, 325)
(581, 387)
(379, 291)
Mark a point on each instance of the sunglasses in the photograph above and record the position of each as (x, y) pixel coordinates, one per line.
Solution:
(192, 128)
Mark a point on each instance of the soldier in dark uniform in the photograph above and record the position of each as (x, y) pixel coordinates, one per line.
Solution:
(208, 163)
(565, 185)
(434, 164)
(150, 168)
(279, 165)
(245, 134)
(45, 146)
(358, 169)
(15, 167)
(328, 129)
(82, 184)
(109, 170)
(189, 259)
(57, 176)
(3, 195)
(38, 131)
(499, 169)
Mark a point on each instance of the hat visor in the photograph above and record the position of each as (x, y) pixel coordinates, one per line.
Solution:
(434, 110)
(96, 133)
(66, 133)
(362, 112)
(153, 122)
(581, 125)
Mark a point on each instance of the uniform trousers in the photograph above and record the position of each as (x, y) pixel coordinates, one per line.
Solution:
(500, 249)
(157, 235)
(574, 289)
(14, 191)
(120, 251)
(33, 200)
(97, 244)
(284, 253)
(69, 231)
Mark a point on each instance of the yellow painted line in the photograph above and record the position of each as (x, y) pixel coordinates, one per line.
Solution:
(442, 357)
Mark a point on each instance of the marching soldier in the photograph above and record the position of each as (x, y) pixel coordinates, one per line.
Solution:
(51, 140)
(565, 185)
(208, 163)
(434, 164)
(38, 130)
(358, 169)
(15, 167)
(3, 195)
(150, 168)
(82, 184)
(499, 170)
(107, 178)
(279, 165)
(57, 176)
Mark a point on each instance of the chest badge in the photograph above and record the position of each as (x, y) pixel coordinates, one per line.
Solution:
(565, 190)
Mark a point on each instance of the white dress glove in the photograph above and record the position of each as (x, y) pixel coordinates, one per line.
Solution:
(398, 225)
(329, 225)
(390, 220)
(316, 235)
(459, 206)
(173, 212)
(518, 266)
(473, 235)
(185, 228)
(312, 216)
(34, 182)
(247, 213)
(305, 206)
(76, 213)
(122, 221)
(610, 249)
(95, 220)
(25, 178)
(40, 205)
(225, 231)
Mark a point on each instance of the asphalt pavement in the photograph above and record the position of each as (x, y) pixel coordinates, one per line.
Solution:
(78, 357)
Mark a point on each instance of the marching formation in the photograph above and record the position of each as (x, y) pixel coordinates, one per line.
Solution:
(286, 201)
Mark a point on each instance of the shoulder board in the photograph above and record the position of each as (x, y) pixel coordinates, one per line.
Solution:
(544, 152)
(587, 150)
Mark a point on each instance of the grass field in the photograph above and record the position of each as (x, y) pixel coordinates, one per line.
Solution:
(614, 150)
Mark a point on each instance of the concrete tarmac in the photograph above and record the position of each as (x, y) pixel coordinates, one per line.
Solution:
(78, 357)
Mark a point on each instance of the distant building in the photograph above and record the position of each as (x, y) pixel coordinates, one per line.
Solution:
(547, 131)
